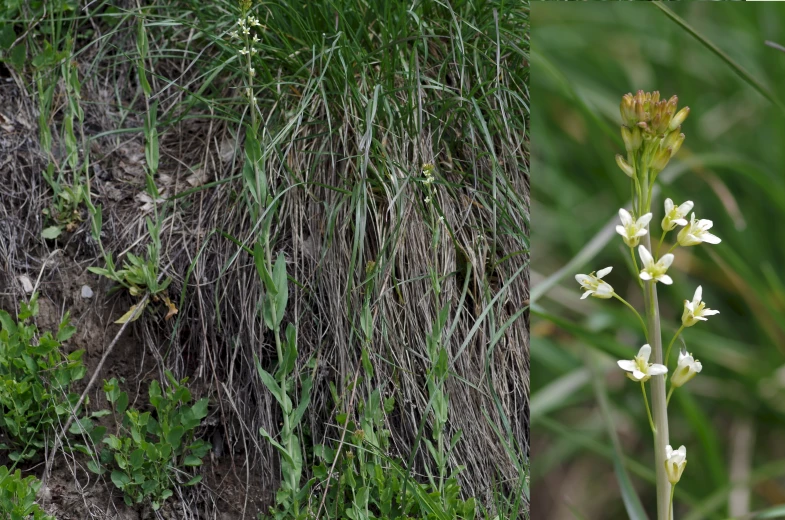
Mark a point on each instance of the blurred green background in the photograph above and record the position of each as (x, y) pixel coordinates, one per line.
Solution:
(731, 418)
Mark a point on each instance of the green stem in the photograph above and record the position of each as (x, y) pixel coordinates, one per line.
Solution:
(670, 503)
(672, 248)
(659, 407)
(670, 392)
(668, 352)
(648, 410)
(662, 238)
(640, 319)
(637, 269)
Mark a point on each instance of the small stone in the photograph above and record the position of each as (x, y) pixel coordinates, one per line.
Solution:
(87, 292)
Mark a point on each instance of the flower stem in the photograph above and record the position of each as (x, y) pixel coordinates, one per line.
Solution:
(670, 504)
(648, 410)
(637, 269)
(673, 247)
(668, 353)
(662, 238)
(658, 399)
(640, 319)
(670, 393)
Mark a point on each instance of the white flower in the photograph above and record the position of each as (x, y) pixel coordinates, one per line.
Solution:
(675, 461)
(674, 215)
(427, 200)
(685, 370)
(697, 231)
(252, 71)
(655, 270)
(594, 286)
(632, 230)
(695, 310)
(243, 51)
(246, 30)
(639, 367)
(234, 34)
(255, 39)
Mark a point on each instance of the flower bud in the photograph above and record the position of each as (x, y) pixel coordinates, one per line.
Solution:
(624, 165)
(687, 368)
(627, 109)
(670, 139)
(661, 159)
(677, 145)
(675, 462)
(679, 118)
(626, 135)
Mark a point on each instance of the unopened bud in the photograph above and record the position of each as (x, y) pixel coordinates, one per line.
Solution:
(679, 118)
(627, 109)
(624, 165)
(670, 139)
(661, 159)
(626, 135)
(677, 145)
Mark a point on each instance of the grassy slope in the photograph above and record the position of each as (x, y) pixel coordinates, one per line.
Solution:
(355, 97)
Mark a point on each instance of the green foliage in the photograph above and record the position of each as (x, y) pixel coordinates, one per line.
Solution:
(35, 378)
(65, 213)
(367, 484)
(139, 275)
(17, 496)
(148, 450)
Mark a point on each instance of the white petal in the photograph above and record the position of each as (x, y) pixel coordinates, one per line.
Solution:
(664, 278)
(705, 224)
(627, 364)
(697, 366)
(701, 318)
(682, 451)
(657, 369)
(638, 375)
(668, 206)
(604, 290)
(709, 312)
(698, 295)
(603, 272)
(626, 218)
(586, 295)
(645, 352)
(680, 221)
(666, 260)
(644, 220)
(711, 239)
(646, 257)
(645, 276)
(581, 278)
(668, 451)
(685, 208)
(620, 230)
(641, 233)
(685, 360)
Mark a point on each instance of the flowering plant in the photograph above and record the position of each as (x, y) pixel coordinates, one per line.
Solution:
(651, 131)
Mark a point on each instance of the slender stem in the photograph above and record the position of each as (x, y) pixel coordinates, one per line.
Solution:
(648, 410)
(673, 247)
(670, 392)
(658, 399)
(670, 504)
(661, 240)
(637, 269)
(640, 319)
(668, 352)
